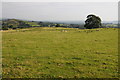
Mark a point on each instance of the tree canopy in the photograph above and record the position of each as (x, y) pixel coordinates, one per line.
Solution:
(92, 22)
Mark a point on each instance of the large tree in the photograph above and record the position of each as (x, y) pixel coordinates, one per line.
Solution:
(92, 22)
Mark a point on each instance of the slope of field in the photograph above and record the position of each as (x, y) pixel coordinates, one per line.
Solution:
(60, 52)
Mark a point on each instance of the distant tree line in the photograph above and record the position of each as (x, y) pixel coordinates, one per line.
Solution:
(15, 24)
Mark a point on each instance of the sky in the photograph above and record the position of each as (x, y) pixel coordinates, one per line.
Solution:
(59, 11)
(60, 0)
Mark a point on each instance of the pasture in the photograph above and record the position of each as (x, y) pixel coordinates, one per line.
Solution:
(60, 53)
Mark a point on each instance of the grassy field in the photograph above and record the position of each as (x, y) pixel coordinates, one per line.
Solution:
(60, 53)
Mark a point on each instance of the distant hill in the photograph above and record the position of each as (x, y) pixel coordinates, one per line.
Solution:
(80, 22)
(69, 22)
(16, 23)
(113, 22)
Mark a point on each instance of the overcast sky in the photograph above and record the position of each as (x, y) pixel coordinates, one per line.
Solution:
(59, 11)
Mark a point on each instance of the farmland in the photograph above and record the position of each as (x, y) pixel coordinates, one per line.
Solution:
(55, 52)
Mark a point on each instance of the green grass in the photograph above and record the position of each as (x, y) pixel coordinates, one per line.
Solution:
(60, 52)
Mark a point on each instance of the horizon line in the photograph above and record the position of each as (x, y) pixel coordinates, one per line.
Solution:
(53, 20)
